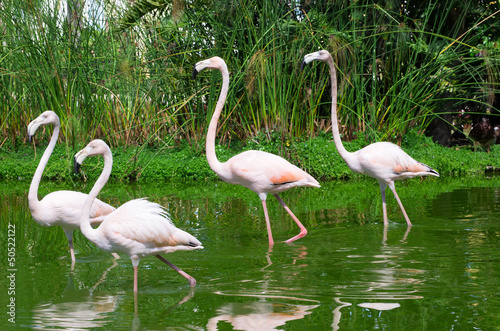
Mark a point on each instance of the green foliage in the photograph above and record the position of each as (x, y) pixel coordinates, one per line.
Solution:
(318, 156)
(139, 10)
(451, 161)
(398, 64)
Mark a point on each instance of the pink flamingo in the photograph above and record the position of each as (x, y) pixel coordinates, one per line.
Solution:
(137, 228)
(61, 207)
(384, 161)
(259, 171)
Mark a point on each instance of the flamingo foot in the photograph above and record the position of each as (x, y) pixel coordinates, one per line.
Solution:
(268, 224)
(302, 233)
(192, 281)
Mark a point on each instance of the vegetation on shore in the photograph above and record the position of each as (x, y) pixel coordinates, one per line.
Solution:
(317, 155)
(124, 75)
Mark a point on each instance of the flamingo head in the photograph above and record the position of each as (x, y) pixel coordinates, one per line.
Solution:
(211, 63)
(47, 117)
(321, 55)
(95, 147)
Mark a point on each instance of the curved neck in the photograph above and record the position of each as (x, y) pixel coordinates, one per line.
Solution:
(212, 128)
(37, 177)
(85, 227)
(335, 123)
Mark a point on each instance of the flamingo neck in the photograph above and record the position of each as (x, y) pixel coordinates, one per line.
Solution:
(37, 177)
(87, 230)
(212, 128)
(335, 124)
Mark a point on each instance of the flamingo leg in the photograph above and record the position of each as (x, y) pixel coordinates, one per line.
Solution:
(405, 236)
(136, 311)
(268, 224)
(384, 236)
(191, 280)
(303, 230)
(135, 263)
(69, 235)
(393, 189)
(135, 278)
(103, 277)
(384, 206)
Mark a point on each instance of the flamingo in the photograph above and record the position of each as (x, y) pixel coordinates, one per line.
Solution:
(137, 228)
(384, 161)
(261, 172)
(61, 207)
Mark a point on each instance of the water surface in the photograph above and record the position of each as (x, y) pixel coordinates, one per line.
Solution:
(348, 273)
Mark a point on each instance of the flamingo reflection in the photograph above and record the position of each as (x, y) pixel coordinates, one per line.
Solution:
(388, 286)
(136, 322)
(259, 315)
(337, 315)
(75, 310)
(269, 306)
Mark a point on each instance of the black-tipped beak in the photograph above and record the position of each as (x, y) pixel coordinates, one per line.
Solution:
(195, 72)
(30, 138)
(304, 63)
(76, 166)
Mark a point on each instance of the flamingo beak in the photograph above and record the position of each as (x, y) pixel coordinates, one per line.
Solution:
(79, 157)
(195, 72)
(309, 58)
(200, 66)
(76, 166)
(34, 125)
(304, 63)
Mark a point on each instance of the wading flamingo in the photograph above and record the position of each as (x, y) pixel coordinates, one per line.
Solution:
(61, 207)
(259, 171)
(137, 228)
(384, 161)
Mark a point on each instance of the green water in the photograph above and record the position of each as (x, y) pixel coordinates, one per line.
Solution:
(443, 274)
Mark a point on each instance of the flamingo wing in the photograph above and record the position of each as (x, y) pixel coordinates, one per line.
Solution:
(99, 210)
(63, 208)
(264, 172)
(388, 162)
(142, 223)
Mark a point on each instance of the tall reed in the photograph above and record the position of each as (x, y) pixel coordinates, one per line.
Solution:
(397, 66)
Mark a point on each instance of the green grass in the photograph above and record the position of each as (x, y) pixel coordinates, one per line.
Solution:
(317, 156)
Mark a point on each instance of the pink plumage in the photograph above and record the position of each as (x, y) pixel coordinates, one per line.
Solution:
(60, 208)
(259, 171)
(384, 161)
(137, 228)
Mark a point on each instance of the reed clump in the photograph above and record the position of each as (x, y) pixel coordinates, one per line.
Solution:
(124, 76)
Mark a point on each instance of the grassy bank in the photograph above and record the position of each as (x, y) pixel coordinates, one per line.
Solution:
(318, 156)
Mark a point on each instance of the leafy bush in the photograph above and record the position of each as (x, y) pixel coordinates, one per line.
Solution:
(318, 156)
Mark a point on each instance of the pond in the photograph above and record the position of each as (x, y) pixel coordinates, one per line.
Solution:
(348, 273)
